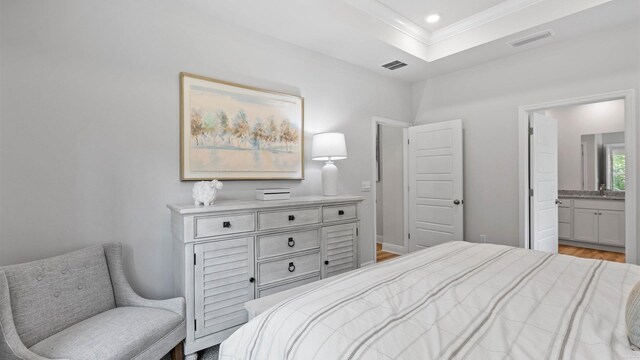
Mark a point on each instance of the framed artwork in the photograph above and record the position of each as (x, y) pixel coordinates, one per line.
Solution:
(235, 132)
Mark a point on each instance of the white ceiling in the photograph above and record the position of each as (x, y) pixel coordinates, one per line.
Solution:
(368, 33)
(450, 11)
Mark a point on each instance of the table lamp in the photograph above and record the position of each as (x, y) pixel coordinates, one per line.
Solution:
(329, 147)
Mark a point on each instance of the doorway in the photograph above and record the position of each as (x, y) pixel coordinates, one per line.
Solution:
(429, 207)
(389, 194)
(577, 177)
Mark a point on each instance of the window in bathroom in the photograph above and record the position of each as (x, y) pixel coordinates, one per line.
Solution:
(616, 167)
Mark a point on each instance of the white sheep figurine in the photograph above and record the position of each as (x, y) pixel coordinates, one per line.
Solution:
(204, 192)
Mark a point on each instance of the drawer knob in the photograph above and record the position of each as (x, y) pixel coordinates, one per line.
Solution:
(291, 242)
(226, 224)
(291, 217)
(326, 262)
(292, 267)
(340, 212)
(252, 280)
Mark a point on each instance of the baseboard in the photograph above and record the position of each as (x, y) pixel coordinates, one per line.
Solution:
(396, 249)
(379, 239)
(368, 263)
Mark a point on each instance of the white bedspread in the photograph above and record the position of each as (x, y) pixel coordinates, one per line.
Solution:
(457, 300)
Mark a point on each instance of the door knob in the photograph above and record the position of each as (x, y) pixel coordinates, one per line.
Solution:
(456, 202)
(558, 201)
(252, 280)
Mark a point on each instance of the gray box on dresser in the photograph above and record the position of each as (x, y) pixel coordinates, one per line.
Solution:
(234, 251)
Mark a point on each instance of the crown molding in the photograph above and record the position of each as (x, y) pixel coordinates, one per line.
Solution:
(481, 18)
(389, 16)
(392, 18)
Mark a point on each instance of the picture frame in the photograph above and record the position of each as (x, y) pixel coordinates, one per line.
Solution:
(230, 131)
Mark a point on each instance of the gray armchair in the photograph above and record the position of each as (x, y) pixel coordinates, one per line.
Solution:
(79, 306)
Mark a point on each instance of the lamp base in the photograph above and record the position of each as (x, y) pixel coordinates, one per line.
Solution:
(330, 179)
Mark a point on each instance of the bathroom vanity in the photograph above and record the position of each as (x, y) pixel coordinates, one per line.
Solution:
(592, 221)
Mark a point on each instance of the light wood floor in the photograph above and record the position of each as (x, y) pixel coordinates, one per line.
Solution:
(562, 249)
(591, 253)
(383, 255)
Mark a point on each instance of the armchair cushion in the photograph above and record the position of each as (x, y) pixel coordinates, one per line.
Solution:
(117, 334)
(50, 295)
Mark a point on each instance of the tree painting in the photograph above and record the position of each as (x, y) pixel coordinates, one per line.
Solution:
(275, 135)
(234, 132)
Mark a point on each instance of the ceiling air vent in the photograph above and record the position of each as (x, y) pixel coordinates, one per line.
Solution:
(397, 64)
(530, 38)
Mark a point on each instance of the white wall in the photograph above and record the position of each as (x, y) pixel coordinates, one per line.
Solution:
(487, 98)
(90, 121)
(392, 188)
(575, 121)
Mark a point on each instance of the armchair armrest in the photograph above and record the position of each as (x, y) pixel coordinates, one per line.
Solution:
(125, 295)
(11, 347)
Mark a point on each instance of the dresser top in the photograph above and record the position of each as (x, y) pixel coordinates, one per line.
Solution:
(231, 205)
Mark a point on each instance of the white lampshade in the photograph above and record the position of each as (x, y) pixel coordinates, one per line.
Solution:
(329, 147)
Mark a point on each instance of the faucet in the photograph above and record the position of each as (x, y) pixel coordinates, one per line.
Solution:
(602, 188)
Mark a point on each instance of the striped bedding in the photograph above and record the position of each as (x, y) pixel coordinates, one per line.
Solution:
(454, 301)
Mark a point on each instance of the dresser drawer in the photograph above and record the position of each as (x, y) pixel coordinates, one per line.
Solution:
(281, 244)
(273, 271)
(286, 218)
(339, 212)
(207, 226)
(291, 285)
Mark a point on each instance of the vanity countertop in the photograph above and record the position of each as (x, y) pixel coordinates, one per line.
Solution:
(591, 195)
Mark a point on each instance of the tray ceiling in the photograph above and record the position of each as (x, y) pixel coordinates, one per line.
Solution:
(370, 33)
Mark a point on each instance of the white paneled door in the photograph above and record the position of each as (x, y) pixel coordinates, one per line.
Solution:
(544, 183)
(436, 206)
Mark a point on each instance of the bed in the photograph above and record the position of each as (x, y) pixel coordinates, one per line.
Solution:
(456, 300)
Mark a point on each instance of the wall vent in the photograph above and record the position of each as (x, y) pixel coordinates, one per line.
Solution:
(397, 64)
(530, 38)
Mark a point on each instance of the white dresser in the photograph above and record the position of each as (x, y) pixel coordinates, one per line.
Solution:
(235, 251)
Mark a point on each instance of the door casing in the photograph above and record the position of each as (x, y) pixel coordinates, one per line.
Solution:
(629, 96)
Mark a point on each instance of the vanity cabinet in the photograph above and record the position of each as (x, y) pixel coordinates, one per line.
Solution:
(592, 221)
(611, 226)
(585, 225)
(565, 220)
(234, 251)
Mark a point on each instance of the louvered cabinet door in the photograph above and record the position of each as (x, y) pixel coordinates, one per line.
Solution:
(340, 243)
(223, 270)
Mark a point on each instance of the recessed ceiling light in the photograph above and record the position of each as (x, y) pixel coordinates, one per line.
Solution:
(432, 18)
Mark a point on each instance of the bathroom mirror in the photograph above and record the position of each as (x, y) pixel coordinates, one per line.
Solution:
(603, 161)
